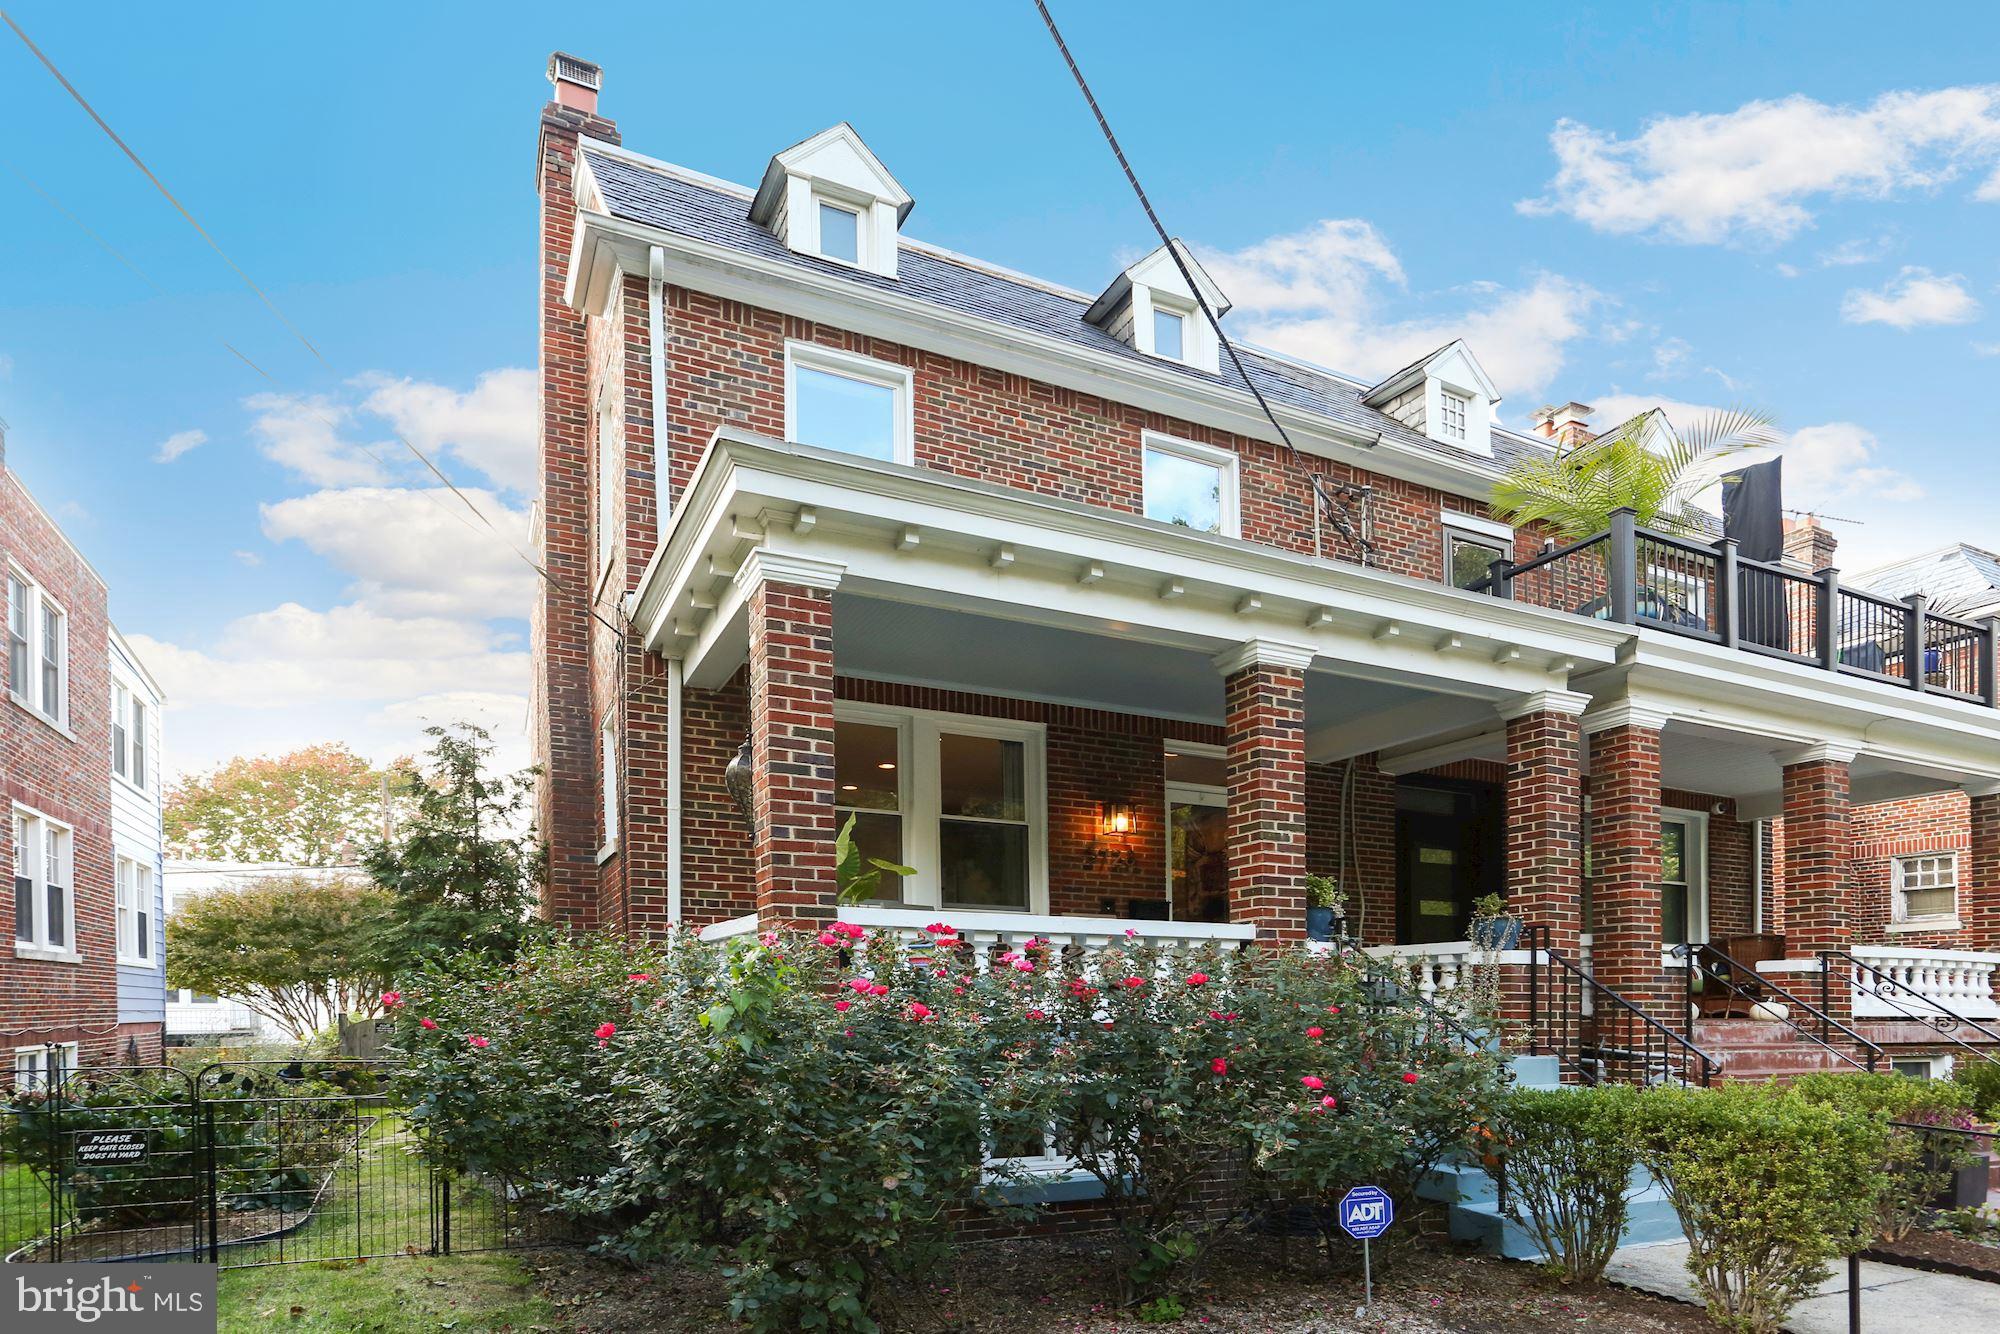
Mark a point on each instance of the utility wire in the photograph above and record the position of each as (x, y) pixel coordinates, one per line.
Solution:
(1338, 516)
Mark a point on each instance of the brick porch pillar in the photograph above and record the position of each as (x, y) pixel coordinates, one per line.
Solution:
(1817, 852)
(1544, 819)
(790, 604)
(1979, 894)
(1625, 854)
(1265, 708)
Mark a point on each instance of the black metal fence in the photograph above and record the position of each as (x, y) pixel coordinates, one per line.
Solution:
(239, 1164)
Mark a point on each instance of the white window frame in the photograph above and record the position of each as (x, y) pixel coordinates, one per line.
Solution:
(1937, 1066)
(128, 735)
(862, 206)
(887, 374)
(1199, 794)
(41, 606)
(37, 945)
(31, 1064)
(1473, 530)
(824, 199)
(609, 467)
(607, 761)
(1899, 871)
(133, 890)
(1694, 862)
(920, 785)
(1225, 461)
(1172, 311)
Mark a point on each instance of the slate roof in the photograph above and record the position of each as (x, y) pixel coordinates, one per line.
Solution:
(1957, 579)
(718, 214)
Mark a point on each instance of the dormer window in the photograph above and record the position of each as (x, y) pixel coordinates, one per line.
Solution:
(1151, 308)
(830, 197)
(1451, 419)
(1446, 397)
(839, 233)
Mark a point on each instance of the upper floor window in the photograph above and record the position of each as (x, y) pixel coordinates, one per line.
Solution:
(37, 649)
(1471, 545)
(836, 400)
(1169, 334)
(839, 233)
(135, 912)
(608, 474)
(1451, 415)
(607, 759)
(128, 735)
(1190, 485)
(1927, 889)
(42, 889)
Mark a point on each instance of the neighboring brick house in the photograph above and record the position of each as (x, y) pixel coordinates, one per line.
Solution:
(1021, 581)
(65, 982)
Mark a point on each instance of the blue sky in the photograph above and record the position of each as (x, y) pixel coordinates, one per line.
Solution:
(1791, 206)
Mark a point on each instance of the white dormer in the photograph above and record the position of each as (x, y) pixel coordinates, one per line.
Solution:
(1151, 307)
(829, 196)
(1447, 397)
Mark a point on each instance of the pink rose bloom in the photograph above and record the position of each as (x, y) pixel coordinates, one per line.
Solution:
(1036, 1014)
(1329, 1102)
(860, 984)
(1023, 966)
(842, 1006)
(938, 929)
(919, 1011)
(1409, 1076)
(879, 989)
(828, 938)
(427, 1023)
(606, 1030)
(1131, 932)
(1333, 1009)
(1315, 1032)
(1219, 1066)
(477, 1041)
(1131, 982)
(391, 999)
(1313, 1082)
(638, 977)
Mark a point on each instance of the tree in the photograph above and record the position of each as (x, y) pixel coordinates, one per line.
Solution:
(300, 950)
(1574, 492)
(319, 806)
(465, 865)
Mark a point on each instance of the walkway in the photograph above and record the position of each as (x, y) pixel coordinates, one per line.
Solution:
(1892, 1298)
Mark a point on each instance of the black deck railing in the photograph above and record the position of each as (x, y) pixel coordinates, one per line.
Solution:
(1617, 1042)
(1634, 575)
(1710, 966)
(1909, 1002)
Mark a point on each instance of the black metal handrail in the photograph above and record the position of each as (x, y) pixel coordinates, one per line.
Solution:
(1704, 960)
(1941, 1018)
(1646, 1042)
(1712, 593)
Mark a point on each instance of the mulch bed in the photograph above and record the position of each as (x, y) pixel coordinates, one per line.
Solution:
(1065, 1285)
(110, 1242)
(1940, 1253)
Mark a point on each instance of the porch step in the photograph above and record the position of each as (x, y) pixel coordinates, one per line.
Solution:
(1758, 1049)
(1476, 1216)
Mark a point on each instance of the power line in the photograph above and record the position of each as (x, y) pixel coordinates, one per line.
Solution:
(1348, 490)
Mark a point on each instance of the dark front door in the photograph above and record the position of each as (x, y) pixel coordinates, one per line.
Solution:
(1448, 853)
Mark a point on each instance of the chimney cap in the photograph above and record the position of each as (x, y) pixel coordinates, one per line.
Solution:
(1570, 411)
(566, 68)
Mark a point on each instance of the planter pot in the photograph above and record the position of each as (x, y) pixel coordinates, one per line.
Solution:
(1968, 1187)
(1319, 923)
(1500, 933)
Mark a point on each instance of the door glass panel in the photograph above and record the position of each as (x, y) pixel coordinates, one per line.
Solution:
(1673, 883)
(1198, 861)
(1196, 770)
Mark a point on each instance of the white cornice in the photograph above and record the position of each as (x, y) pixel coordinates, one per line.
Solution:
(1820, 752)
(1625, 713)
(1569, 703)
(1264, 653)
(763, 565)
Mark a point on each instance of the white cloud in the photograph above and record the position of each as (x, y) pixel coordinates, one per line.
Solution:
(491, 427)
(1670, 356)
(179, 443)
(414, 552)
(249, 558)
(302, 432)
(1914, 297)
(1987, 349)
(1752, 173)
(1317, 294)
(1858, 250)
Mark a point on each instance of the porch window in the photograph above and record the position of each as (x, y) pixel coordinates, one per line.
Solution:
(1197, 834)
(1683, 878)
(1927, 890)
(855, 405)
(961, 800)
(1190, 485)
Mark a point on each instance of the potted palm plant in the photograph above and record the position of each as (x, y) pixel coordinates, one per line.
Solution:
(1324, 905)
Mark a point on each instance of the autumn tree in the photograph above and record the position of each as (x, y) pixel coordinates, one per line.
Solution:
(300, 950)
(320, 806)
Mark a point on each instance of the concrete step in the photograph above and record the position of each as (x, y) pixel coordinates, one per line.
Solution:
(1475, 1214)
(1712, 1033)
(1536, 1072)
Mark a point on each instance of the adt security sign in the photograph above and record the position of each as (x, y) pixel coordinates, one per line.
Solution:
(1366, 1212)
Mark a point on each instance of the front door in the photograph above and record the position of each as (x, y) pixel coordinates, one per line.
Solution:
(1448, 853)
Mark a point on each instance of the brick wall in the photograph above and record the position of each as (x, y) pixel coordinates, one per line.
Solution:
(65, 775)
(1624, 833)
(1884, 831)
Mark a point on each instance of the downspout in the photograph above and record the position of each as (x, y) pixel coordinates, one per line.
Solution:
(673, 790)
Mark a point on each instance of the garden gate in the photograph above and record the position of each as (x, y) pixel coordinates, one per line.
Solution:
(239, 1163)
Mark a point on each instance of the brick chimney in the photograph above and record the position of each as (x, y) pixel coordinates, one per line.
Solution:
(563, 739)
(1567, 425)
(1808, 544)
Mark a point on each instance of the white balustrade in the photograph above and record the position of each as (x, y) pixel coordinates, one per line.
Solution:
(989, 932)
(1437, 968)
(745, 925)
(1960, 981)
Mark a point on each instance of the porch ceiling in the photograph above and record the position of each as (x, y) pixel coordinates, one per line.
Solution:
(1751, 771)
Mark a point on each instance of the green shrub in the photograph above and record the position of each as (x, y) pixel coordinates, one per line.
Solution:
(1770, 1188)
(1919, 1166)
(1981, 1078)
(1565, 1160)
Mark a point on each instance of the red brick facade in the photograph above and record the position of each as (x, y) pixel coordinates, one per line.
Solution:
(1545, 824)
(1265, 707)
(791, 750)
(64, 774)
(1625, 862)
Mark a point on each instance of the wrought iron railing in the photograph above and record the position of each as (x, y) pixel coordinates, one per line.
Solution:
(1908, 1001)
(1709, 965)
(1635, 575)
(1617, 1042)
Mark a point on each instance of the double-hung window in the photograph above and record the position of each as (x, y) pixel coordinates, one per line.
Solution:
(1190, 485)
(1926, 892)
(43, 1068)
(840, 401)
(43, 891)
(962, 801)
(128, 735)
(37, 649)
(135, 912)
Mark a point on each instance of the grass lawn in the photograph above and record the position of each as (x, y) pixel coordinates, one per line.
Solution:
(24, 1207)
